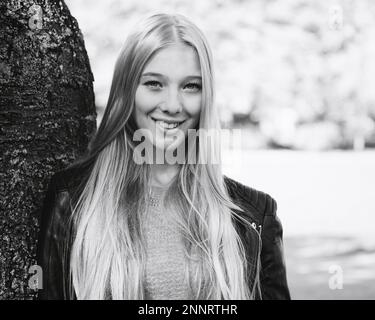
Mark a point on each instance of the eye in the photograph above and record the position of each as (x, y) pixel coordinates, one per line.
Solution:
(153, 84)
(193, 87)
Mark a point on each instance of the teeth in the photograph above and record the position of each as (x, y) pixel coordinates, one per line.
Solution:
(167, 125)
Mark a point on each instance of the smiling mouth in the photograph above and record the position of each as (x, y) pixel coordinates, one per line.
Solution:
(167, 125)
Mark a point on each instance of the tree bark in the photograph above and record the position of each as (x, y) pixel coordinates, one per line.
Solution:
(47, 116)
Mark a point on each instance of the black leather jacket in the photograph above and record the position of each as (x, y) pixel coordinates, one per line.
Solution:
(259, 209)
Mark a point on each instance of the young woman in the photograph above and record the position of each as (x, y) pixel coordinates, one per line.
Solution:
(121, 224)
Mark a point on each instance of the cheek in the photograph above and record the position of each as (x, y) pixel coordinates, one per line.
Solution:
(144, 101)
(193, 105)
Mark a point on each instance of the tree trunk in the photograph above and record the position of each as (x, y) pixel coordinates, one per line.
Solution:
(47, 115)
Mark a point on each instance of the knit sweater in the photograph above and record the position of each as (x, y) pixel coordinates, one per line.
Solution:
(165, 264)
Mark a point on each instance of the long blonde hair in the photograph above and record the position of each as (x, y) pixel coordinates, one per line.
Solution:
(107, 255)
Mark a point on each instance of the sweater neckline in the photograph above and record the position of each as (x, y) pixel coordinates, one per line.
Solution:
(158, 191)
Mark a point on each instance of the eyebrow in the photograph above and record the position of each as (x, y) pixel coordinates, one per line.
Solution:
(155, 74)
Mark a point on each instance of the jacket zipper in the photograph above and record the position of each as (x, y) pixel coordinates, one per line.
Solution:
(255, 227)
(257, 284)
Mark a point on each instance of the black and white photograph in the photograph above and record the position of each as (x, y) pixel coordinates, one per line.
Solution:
(187, 150)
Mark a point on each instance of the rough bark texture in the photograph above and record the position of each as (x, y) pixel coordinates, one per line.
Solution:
(47, 115)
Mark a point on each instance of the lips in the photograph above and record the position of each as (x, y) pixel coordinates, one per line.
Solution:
(167, 124)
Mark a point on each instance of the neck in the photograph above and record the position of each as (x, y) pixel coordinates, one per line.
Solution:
(163, 174)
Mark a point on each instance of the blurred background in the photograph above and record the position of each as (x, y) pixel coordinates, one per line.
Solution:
(297, 78)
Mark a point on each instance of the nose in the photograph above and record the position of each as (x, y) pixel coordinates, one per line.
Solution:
(172, 103)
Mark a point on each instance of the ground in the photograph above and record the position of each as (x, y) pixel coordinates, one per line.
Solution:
(325, 202)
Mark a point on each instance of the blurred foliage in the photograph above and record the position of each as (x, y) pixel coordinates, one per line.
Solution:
(295, 73)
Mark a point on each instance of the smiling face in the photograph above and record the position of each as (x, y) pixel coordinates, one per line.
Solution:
(169, 95)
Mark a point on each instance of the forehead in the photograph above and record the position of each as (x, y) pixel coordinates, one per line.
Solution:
(177, 60)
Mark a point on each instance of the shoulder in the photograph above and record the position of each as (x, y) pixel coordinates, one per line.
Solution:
(255, 203)
(61, 193)
(71, 177)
